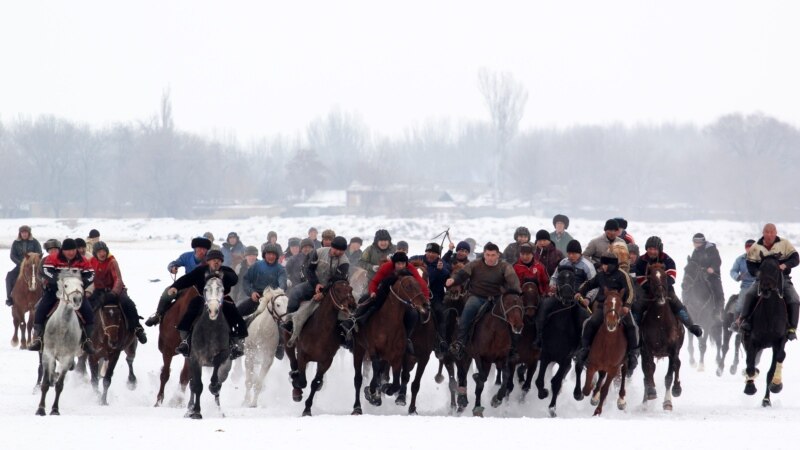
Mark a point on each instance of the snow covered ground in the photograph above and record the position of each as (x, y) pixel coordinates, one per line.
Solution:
(712, 411)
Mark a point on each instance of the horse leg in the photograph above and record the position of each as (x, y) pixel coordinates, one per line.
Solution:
(462, 369)
(595, 400)
(112, 363)
(498, 378)
(609, 378)
(775, 375)
(690, 347)
(702, 342)
(529, 371)
(480, 378)
(541, 391)
(668, 380)
(577, 394)
(452, 383)
(648, 369)
(358, 378)
(316, 383)
(373, 392)
(621, 402)
(165, 369)
(405, 375)
(750, 368)
(392, 389)
(54, 411)
(262, 374)
(422, 362)
(770, 373)
(45, 387)
(587, 386)
(94, 370)
(39, 374)
(556, 382)
(737, 345)
(249, 378)
(439, 377)
(17, 325)
(726, 340)
(130, 355)
(508, 378)
(193, 409)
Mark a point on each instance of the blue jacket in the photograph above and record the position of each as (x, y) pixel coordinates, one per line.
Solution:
(436, 277)
(740, 269)
(229, 250)
(262, 275)
(186, 260)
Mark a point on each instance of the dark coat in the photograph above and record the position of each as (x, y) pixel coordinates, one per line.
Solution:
(197, 278)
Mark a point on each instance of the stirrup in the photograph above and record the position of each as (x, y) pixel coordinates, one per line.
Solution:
(153, 320)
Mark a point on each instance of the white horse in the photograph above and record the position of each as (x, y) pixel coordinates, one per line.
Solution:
(262, 340)
(62, 337)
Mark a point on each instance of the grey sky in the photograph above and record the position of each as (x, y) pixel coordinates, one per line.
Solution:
(261, 68)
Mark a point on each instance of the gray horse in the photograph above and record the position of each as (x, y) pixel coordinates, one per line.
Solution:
(210, 347)
(62, 337)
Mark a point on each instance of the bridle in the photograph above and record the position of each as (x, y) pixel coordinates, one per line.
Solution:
(505, 310)
(338, 304)
(410, 301)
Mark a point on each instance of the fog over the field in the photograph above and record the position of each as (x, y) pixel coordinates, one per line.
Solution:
(670, 111)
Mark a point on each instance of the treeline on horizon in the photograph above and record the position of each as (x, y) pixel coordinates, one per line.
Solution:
(740, 167)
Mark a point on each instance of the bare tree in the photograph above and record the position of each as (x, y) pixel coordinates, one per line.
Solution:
(506, 98)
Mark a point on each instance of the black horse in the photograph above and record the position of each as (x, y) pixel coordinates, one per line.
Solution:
(698, 297)
(561, 317)
(769, 319)
(728, 317)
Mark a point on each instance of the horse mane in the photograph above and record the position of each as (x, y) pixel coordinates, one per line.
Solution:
(262, 305)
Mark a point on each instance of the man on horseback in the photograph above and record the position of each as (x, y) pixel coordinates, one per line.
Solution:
(67, 258)
(108, 279)
(24, 244)
(623, 230)
(377, 253)
(354, 251)
(602, 244)
(771, 244)
(327, 237)
(233, 249)
(461, 256)
(528, 269)
(654, 254)
(489, 278)
(521, 236)
(546, 252)
(559, 236)
(611, 278)
(189, 261)
(211, 268)
(295, 266)
(438, 273)
(250, 258)
(706, 255)
(265, 273)
(740, 273)
(94, 237)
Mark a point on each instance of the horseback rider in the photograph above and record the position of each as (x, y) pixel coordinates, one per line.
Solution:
(559, 236)
(438, 273)
(67, 258)
(402, 246)
(108, 279)
(312, 236)
(24, 243)
(233, 249)
(609, 277)
(654, 254)
(623, 231)
(706, 255)
(740, 273)
(210, 236)
(546, 252)
(295, 266)
(528, 269)
(489, 278)
(82, 248)
(263, 274)
(771, 244)
(633, 253)
(94, 238)
(463, 251)
(377, 253)
(272, 238)
(211, 268)
(521, 236)
(327, 237)
(250, 257)
(354, 251)
(602, 244)
(583, 270)
(189, 261)
(292, 248)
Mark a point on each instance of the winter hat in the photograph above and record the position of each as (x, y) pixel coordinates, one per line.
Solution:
(208, 236)
(201, 242)
(99, 245)
(749, 243)
(399, 257)
(402, 245)
(271, 235)
(306, 243)
(69, 244)
(25, 228)
(561, 218)
(215, 254)
(654, 242)
(356, 240)
(611, 224)
(339, 243)
(328, 234)
(521, 231)
(633, 248)
(622, 222)
(294, 242)
(270, 248)
(52, 243)
(542, 235)
(94, 233)
(251, 250)
(433, 247)
(382, 235)
(312, 229)
(233, 234)
(80, 242)
(463, 245)
(574, 246)
(699, 238)
(526, 248)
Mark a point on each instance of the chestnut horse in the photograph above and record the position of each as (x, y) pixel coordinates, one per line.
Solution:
(490, 344)
(383, 338)
(662, 336)
(27, 291)
(320, 340)
(169, 338)
(607, 355)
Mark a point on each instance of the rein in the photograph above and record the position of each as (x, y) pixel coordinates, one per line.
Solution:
(504, 318)
(410, 302)
(103, 321)
(332, 293)
(276, 317)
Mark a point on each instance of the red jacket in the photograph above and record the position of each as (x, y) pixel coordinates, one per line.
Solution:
(387, 269)
(107, 275)
(534, 272)
(55, 263)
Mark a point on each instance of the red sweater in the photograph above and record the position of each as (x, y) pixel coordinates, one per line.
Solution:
(534, 272)
(387, 269)
(107, 275)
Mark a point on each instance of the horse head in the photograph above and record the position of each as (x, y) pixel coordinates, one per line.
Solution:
(70, 288)
(770, 276)
(530, 298)
(511, 302)
(113, 323)
(566, 283)
(29, 268)
(612, 308)
(276, 302)
(407, 290)
(213, 294)
(657, 283)
(341, 294)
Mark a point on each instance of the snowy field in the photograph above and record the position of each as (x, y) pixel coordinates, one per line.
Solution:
(712, 411)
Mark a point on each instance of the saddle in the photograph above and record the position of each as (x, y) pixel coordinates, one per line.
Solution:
(77, 313)
(484, 309)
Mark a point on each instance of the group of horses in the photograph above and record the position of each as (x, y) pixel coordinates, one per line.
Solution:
(379, 346)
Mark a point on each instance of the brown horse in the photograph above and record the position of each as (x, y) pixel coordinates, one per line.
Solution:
(490, 344)
(528, 353)
(662, 336)
(454, 303)
(383, 338)
(320, 340)
(112, 337)
(169, 338)
(607, 355)
(26, 292)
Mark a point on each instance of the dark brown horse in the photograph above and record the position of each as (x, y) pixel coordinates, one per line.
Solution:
(111, 337)
(607, 355)
(454, 303)
(662, 336)
(698, 297)
(26, 292)
(490, 344)
(169, 338)
(383, 339)
(728, 317)
(528, 353)
(320, 340)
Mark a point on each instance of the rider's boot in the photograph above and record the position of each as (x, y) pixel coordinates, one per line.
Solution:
(86, 344)
(141, 335)
(683, 316)
(633, 360)
(793, 309)
(36, 340)
(183, 347)
(236, 347)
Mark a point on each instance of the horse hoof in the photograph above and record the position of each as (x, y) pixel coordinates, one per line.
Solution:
(692, 363)
(195, 416)
(306, 413)
(55, 412)
(412, 411)
(477, 411)
(677, 391)
(775, 388)
(542, 393)
(720, 370)
(132, 385)
(438, 378)
(578, 395)
(462, 401)
(356, 412)
(597, 412)
(297, 394)
(496, 401)
(40, 412)
(733, 370)
(594, 401)
(766, 403)
(667, 405)
(651, 394)
(621, 404)
(401, 401)
(552, 411)
(701, 367)
(750, 388)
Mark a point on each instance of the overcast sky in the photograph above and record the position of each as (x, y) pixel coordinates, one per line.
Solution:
(262, 68)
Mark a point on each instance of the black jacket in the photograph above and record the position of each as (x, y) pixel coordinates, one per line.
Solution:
(197, 278)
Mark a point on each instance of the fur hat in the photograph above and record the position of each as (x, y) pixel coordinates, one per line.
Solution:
(463, 245)
(561, 218)
(633, 248)
(622, 222)
(271, 235)
(80, 242)
(69, 244)
(270, 248)
(208, 236)
(526, 248)
(611, 224)
(51, 244)
(654, 242)
(433, 247)
(356, 240)
(521, 231)
(609, 258)
(339, 243)
(399, 257)
(94, 233)
(215, 254)
(382, 235)
(306, 242)
(233, 234)
(542, 235)
(99, 245)
(24, 228)
(294, 242)
(202, 242)
(251, 250)
(328, 234)
(574, 246)
(402, 245)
